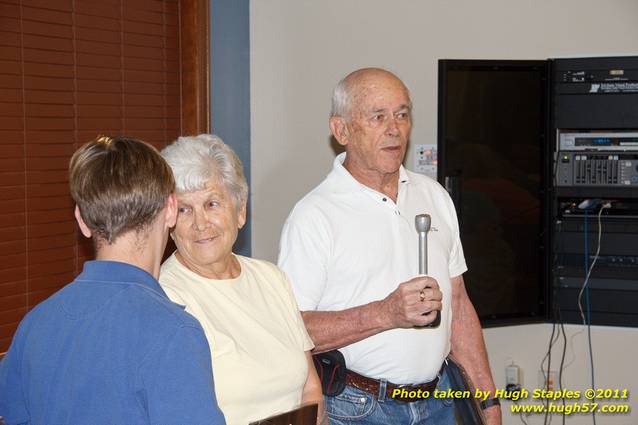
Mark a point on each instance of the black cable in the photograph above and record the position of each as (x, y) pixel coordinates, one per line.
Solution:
(587, 322)
(591, 363)
(556, 308)
(562, 362)
(561, 331)
(591, 351)
(556, 302)
(546, 377)
(585, 287)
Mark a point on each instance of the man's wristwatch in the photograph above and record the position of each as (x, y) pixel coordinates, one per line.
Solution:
(489, 403)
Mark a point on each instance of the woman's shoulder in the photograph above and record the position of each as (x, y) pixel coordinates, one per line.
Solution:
(269, 277)
(169, 265)
(264, 272)
(171, 272)
(259, 266)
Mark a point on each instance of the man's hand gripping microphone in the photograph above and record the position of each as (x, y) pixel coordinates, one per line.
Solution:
(423, 222)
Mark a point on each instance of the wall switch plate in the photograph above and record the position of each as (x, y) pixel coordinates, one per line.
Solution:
(425, 159)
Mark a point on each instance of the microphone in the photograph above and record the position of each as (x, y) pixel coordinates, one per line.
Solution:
(422, 223)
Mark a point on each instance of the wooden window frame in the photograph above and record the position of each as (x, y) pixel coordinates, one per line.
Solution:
(195, 66)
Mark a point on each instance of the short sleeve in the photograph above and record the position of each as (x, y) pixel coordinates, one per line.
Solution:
(303, 255)
(295, 316)
(177, 381)
(456, 265)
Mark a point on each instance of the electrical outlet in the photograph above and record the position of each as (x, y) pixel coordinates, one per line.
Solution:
(512, 377)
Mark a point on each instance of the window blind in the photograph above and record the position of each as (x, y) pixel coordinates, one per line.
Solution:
(70, 70)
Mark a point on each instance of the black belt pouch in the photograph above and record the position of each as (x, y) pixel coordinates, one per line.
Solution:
(331, 368)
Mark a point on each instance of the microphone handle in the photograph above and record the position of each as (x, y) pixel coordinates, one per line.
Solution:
(423, 253)
(423, 270)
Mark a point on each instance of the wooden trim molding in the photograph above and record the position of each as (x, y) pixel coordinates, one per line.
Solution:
(195, 66)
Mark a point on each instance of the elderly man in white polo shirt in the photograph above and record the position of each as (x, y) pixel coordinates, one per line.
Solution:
(350, 250)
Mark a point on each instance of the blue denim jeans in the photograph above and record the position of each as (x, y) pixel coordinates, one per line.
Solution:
(354, 406)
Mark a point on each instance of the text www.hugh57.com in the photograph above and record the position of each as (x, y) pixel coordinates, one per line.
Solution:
(570, 408)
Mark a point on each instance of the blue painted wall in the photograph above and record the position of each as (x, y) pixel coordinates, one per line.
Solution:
(230, 86)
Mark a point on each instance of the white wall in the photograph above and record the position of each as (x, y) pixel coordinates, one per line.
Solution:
(615, 352)
(301, 48)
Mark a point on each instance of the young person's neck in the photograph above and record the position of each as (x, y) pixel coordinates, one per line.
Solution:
(134, 249)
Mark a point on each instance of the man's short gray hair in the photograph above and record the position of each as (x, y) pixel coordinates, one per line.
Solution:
(341, 99)
(196, 159)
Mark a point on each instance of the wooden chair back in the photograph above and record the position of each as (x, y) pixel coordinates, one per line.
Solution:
(305, 415)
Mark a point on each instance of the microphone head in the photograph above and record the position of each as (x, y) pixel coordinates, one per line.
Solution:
(422, 223)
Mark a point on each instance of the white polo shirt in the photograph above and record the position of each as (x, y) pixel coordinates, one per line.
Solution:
(345, 245)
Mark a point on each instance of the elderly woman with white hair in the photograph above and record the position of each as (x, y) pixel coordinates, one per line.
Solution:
(258, 341)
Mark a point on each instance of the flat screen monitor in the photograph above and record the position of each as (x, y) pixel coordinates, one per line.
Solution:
(491, 144)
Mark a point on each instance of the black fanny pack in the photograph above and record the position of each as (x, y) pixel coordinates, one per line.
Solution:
(331, 368)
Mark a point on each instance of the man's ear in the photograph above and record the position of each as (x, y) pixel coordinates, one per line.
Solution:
(170, 213)
(83, 227)
(339, 130)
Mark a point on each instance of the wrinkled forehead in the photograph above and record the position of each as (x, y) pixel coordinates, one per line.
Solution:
(378, 92)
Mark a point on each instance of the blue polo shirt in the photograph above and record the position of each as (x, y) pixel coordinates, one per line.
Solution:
(109, 348)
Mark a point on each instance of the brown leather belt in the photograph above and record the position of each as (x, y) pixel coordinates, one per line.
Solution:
(406, 393)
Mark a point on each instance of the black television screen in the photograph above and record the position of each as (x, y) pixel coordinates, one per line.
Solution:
(491, 141)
